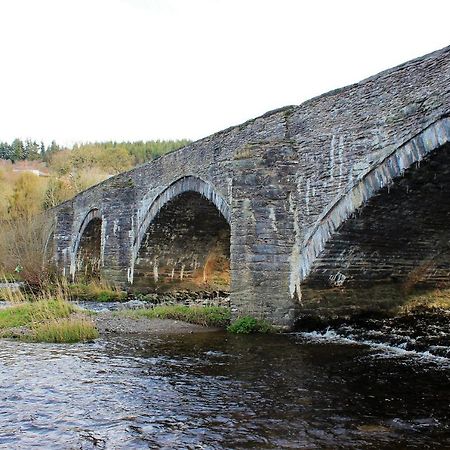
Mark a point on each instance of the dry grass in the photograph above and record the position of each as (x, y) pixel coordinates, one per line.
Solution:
(67, 330)
(98, 290)
(432, 299)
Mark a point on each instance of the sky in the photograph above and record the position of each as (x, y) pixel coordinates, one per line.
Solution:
(96, 70)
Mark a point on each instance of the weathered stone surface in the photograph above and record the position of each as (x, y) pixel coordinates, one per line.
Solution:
(291, 184)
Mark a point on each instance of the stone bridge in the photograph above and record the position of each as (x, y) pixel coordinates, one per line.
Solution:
(293, 211)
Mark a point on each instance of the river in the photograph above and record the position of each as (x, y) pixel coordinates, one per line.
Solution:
(331, 389)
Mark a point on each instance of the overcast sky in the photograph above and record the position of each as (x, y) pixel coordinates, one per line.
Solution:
(91, 70)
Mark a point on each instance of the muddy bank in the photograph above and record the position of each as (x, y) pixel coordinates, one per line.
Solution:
(109, 323)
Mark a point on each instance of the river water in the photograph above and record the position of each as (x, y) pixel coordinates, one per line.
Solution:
(332, 389)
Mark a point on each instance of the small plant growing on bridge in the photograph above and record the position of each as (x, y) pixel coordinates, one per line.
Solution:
(248, 324)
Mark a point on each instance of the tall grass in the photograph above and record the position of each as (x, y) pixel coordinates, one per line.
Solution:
(67, 330)
(47, 318)
(99, 290)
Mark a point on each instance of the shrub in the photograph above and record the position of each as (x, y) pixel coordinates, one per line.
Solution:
(23, 249)
(248, 324)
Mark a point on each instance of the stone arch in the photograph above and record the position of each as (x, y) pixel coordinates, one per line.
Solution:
(49, 246)
(185, 230)
(367, 185)
(180, 186)
(92, 215)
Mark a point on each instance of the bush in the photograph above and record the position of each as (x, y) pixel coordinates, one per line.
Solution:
(23, 249)
(248, 324)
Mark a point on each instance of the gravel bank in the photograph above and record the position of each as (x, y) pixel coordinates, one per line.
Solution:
(107, 322)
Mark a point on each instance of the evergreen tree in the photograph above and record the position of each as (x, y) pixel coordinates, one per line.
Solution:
(17, 150)
(5, 150)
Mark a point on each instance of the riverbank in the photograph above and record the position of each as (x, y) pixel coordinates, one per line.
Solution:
(108, 323)
(46, 320)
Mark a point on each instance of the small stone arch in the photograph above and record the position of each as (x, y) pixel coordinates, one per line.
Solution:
(180, 186)
(94, 213)
(49, 246)
(368, 184)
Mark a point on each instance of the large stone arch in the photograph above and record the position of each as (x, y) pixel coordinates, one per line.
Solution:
(91, 215)
(179, 187)
(381, 174)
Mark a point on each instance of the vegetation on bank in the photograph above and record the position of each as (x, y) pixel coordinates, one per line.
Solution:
(208, 316)
(248, 324)
(426, 300)
(96, 290)
(46, 320)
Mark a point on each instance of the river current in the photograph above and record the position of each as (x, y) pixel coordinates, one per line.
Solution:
(331, 389)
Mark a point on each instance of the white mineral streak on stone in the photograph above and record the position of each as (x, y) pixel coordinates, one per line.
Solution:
(341, 159)
(333, 140)
(64, 257)
(294, 260)
(131, 235)
(182, 272)
(371, 182)
(155, 270)
(273, 219)
(116, 227)
(103, 239)
(308, 187)
(230, 190)
(337, 279)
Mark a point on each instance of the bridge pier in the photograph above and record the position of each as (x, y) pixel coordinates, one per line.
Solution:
(263, 235)
(118, 233)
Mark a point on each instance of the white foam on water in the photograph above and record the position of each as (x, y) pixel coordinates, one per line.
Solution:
(384, 350)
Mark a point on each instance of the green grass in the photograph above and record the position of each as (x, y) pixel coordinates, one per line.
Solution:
(24, 314)
(248, 324)
(51, 320)
(209, 316)
(98, 291)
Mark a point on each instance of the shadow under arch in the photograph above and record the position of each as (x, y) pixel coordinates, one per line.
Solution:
(186, 225)
(367, 185)
(185, 184)
(93, 215)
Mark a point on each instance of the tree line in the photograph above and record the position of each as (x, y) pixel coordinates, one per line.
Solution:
(137, 152)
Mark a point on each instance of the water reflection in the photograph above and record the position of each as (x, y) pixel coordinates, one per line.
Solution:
(218, 391)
